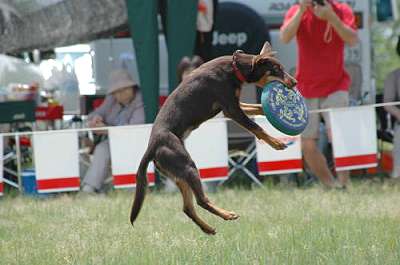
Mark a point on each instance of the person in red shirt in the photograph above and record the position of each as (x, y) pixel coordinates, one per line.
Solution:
(321, 32)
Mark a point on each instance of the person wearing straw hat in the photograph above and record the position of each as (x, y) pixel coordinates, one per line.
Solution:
(123, 105)
(391, 93)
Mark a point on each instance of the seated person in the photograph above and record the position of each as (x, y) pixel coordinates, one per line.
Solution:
(391, 94)
(123, 105)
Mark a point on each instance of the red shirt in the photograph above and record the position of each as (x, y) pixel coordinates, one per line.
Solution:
(320, 64)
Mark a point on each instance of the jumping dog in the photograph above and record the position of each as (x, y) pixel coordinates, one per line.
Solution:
(213, 87)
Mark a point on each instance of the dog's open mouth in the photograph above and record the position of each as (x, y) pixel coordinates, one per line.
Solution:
(289, 80)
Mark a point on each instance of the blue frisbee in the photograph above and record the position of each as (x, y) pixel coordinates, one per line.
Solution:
(284, 108)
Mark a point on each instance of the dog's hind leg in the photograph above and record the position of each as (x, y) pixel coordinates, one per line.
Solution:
(188, 207)
(187, 196)
(193, 179)
(175, 161)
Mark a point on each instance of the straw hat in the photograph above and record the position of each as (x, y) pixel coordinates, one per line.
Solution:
(119, 79)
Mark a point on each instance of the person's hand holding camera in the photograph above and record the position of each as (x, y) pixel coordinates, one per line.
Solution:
(304, 4)
(325, 11)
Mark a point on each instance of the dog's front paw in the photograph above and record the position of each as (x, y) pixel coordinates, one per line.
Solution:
(275, 143)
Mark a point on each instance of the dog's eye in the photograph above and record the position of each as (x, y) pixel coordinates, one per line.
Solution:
(277, 71)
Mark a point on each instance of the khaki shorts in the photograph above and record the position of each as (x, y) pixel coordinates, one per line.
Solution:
(334, 100)
(396, 149)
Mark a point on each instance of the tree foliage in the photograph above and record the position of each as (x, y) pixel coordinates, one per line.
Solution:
(385, 58)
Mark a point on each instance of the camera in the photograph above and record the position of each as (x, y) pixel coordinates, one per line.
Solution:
(319, 2)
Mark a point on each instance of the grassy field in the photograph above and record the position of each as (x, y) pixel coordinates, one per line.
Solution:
(277, 226)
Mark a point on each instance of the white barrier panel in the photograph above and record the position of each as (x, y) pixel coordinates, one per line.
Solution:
(127, 145)
(1, 166)
(56, 157)
(271, 161)
(354, 138)
(208, 147)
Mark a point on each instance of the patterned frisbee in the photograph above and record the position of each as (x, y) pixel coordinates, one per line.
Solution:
(284, 108)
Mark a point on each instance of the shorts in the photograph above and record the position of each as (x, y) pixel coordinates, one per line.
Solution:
(335, 100)
(396, 148)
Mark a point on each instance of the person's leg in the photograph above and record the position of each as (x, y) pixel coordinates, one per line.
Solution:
(396, 152)
(311, 153)
(336, 100)
(317, 162)
(99, 168)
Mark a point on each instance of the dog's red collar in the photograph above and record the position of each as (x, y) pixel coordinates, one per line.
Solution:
(237, 72)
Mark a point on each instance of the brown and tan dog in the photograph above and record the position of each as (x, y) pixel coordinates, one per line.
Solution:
(213, 87)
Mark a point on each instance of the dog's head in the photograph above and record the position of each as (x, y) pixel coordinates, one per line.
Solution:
(262, 68)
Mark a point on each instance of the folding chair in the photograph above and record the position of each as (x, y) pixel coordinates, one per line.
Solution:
(242, 162)
(241, 153)
(1, 166)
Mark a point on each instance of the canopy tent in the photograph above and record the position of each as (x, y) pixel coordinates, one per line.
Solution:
(45, 24)
(180, 17)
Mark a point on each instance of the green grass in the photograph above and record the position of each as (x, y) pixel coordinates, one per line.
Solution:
(277, 226)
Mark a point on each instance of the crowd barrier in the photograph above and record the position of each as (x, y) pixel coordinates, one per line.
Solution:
(56, 159)
(56, 153)
(271, 161)
(127, 146)
(208, 147)
(354, 138)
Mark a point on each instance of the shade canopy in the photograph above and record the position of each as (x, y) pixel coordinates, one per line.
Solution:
(45, 24)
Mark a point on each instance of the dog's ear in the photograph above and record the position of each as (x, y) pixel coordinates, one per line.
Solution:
(264, 60)
(267, 50)
(262, 65)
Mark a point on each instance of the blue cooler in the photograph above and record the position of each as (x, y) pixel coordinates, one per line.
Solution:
(29, 182)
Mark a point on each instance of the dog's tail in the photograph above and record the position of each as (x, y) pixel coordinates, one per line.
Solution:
(141, 185)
